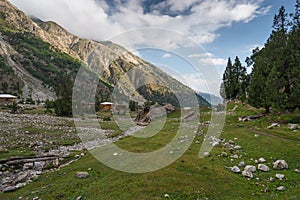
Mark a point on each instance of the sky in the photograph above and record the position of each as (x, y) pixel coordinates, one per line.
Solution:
(189, 39)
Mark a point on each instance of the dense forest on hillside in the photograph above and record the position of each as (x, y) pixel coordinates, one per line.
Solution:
(274, 81)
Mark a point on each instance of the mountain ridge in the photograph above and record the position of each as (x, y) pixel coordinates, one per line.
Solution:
(42, 54)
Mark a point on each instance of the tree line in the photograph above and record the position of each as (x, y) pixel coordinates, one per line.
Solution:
(274, 81)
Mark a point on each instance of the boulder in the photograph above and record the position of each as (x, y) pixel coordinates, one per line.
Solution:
(261, 160)
(280, 164)
(263, 168)
(247, 174)
(293, 126)
(237, 147)
(272, 179)
(206, 154)
(279, 176)
(281, 188)
(169, 108)
(10, 189)
(82, 174)
(235, 169)
(250, 168)
(273, 125)
(241, 164)
(297, 170)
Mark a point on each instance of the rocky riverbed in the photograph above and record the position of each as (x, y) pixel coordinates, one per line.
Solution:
(33, 144)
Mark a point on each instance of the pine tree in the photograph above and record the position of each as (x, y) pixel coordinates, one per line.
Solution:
(227, 80)
(235, 80)
(275, 76)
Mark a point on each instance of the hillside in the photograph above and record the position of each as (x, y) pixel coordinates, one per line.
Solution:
(37, 57)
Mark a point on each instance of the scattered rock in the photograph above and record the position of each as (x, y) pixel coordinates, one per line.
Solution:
(115, 154)
(247, 174)
(167, 196)
(235, 169)
(214, 141)
(261, 160)
(256, 135)
(82, 174)
(263, 168)
(293, 126)
(224, 154)
(10, 189)
(297, 170)
(235, 156)
(206, 154)
(281, 188)
(272, 179)
(279, 176)
(237, 147)
(280, 164)
(250, 168)
(241, 164)
(273, 125)
(79, 198)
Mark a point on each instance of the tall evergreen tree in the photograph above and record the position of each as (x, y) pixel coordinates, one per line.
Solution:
(276, 68)
(234, 80)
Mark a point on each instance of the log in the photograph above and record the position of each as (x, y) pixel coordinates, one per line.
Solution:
(28, 159)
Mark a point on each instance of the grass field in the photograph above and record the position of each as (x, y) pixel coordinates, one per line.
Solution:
(189, 177)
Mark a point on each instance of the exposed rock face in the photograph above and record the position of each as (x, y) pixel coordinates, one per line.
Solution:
(106, 59)
(280, 164)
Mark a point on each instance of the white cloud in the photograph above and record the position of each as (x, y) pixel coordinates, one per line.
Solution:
(94, 19)
(209, 59)
(166, 55)
(199, 83)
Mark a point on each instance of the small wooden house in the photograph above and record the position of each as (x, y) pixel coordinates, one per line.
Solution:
(106, 106)
(6, 98)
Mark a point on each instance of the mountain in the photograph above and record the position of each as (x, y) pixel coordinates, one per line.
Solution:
(212, 99)
(37, 57)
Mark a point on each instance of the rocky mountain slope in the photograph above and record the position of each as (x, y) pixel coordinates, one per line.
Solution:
(36, 57)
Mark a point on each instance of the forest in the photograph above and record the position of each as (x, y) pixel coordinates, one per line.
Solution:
(274, 81)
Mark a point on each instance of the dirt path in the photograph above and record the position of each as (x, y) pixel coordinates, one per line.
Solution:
(271, 135)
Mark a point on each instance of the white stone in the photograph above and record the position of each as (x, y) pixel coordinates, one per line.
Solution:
(261, 160)
(280, 164)
(250, 168)
(242, 164)
(279, 176)
(82, 174)
(247, 174)
(235, 169)
(281, 188)
(273, 125)
(263, 168)
(206, 154)
(167, 196)
(237, 147)
(293, 126)
(115, 154)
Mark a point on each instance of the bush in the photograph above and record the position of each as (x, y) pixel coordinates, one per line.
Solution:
(63, 107)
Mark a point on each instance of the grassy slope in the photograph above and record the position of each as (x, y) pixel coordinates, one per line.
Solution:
(187, 178)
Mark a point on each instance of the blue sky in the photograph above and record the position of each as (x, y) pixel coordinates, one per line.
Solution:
(192, 39)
